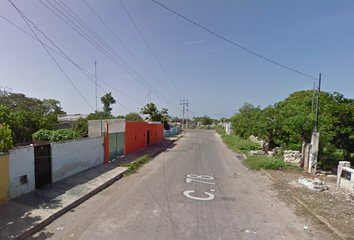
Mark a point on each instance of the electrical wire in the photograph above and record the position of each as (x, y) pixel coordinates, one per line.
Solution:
(125, 47)
(150, 48)
(125, 67)
(26, 21)
(233, 43)
(63, 55)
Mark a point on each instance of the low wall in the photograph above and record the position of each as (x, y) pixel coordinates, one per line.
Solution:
(114, 126)
(4, 177)
(21, 171)
(71, 157)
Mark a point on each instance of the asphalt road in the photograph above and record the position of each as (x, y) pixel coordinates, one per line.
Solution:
(196, 190)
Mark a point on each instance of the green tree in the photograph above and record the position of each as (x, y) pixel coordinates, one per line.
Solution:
(154, 114)
(81, 126)
(206, 120)
(268, 125)
(107, 100)
(5, 138)
(341, 111)
(52, 106)
(245, 121)
(133, 117)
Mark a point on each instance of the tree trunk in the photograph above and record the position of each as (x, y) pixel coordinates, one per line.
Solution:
(304, 144)
(269, 142)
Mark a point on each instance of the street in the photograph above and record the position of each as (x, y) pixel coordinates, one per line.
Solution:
(197, 189)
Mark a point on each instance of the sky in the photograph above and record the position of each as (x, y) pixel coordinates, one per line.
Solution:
(254, 51)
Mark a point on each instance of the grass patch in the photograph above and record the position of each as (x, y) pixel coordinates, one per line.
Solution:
(175, 140)
(132, 167)
(236, 143)
(272, 163)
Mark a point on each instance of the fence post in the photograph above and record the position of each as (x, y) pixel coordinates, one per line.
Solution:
(306, 156)
(339, 170)
(106, 145)
(314, 152)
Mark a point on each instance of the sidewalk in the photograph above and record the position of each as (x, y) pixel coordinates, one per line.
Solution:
(26, 214)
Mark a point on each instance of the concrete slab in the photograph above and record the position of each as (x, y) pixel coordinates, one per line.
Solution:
(26, 214)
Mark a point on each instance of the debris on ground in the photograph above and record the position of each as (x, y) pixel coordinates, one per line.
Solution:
(313, 184)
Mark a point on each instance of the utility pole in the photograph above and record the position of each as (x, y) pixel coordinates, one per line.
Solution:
(96, 85)
(318, 102)
(313, 96)
(315, 138)
(187, 113)
(182, 111)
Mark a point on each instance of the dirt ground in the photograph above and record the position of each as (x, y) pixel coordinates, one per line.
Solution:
(334, 208)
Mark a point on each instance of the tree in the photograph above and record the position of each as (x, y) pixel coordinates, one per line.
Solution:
(154, 115)
(206, 120)
(245, 121)
(107, 100)
(268, 126)
(81, 126)
(5, 138)
(52, 106)
(133, 117)
(342, 124)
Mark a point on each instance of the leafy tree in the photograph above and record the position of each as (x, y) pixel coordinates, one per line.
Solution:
(18, 102)
(52, 106)
(81, 126)
(269, 125)
(5, 138)
(107, 100)
(120, 117)
(244, 122)
(133, 117)
(154, 115)
(342, 124)
(206, 120)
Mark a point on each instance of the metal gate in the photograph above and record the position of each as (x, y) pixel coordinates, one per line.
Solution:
(116, 145)
(42, 166)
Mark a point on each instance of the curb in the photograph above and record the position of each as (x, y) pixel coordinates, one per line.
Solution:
(69, 207)
(304, 205)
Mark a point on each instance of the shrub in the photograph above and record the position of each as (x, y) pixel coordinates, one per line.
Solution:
(55, 136)
(42, 135)
(258, 162)
(5, 138)
(63, 135)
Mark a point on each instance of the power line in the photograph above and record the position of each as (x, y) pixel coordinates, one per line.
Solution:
(127, 68)
(150, 48)
(26, 19)
(62, 54)
(65, 57)
(127, 49)
(230, 41)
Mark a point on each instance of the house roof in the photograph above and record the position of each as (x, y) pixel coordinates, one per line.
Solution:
(71, 118)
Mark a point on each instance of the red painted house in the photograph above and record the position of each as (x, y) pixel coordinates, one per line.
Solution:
(141, 134)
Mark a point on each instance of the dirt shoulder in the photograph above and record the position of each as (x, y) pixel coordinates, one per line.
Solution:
(332, 209)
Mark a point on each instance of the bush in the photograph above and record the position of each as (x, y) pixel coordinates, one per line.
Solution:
(55, 136)
(42, 135)
(272, 163)
(5, 138)
(63, 135)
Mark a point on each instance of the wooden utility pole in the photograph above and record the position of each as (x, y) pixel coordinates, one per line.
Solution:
(96, 84)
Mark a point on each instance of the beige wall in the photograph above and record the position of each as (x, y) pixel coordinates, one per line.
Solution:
(4, 177)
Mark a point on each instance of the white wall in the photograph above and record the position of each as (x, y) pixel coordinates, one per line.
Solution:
(71, 157)
(21, 162)
(114, 126)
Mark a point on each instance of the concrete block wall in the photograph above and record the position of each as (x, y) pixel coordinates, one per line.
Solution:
(114, 125)
(71, 157)
(21, 166)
